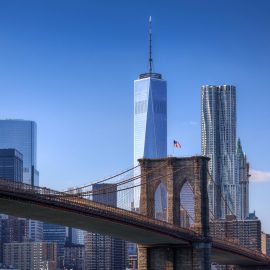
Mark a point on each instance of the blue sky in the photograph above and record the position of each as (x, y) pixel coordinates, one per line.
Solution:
(70, 66)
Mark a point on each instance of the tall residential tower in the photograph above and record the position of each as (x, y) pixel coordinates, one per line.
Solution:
(218, 138)
(150, 116)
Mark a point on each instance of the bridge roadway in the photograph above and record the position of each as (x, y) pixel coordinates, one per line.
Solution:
(50, 206)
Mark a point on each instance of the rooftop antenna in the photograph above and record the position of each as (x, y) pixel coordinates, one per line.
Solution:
(150, 45)
(150, 73)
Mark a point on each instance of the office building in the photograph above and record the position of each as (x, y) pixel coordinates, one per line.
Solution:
(56, 234)
(266, 244)
(11, 165)
(74, 256)
(22, 136)
(150, 116)
(75, 236)
(218, 142)
(243, 179)
(105, 252)
(12, 229)
(30, 255)
(246, 233)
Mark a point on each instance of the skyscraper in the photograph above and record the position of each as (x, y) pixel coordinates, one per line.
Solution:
(57, 234)
(12, 230)
(22, 136)
(105, 252)
(11, 165)
(243, 178)
(150, 116)
(218, 120)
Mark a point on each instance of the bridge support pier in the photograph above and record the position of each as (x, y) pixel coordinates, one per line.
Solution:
(196, 257)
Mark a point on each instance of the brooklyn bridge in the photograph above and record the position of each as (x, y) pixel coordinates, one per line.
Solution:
(175, 236)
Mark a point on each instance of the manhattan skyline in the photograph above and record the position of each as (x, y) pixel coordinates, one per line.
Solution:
(72, 72)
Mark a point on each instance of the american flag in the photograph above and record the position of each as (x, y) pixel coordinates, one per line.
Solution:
(176, 144)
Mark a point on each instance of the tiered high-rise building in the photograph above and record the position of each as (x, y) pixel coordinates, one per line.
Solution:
(228, 165)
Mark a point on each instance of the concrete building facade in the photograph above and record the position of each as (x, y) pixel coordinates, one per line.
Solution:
(30, 255)
(74, 257)
(246, 233)
(266, 244)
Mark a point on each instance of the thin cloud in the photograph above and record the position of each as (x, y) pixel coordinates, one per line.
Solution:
(259, 176)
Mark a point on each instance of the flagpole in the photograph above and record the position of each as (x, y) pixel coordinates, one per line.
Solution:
(173, 148)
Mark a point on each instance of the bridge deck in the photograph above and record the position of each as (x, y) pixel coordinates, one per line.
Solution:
(55, 207)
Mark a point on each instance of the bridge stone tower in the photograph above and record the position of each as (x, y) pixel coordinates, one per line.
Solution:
(174, 173)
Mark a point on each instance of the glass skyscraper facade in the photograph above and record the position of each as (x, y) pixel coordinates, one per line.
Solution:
(57, 234)
(11, 165)
(218, 139)
(150, 121)
(22, 136)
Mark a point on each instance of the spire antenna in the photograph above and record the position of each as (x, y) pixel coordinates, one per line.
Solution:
(150, 73)
(150, 46)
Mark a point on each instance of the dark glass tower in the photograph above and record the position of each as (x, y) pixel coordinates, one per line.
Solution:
(22, 136)
(11, 165)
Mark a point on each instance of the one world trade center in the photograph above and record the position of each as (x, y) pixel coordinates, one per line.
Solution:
(150, 116)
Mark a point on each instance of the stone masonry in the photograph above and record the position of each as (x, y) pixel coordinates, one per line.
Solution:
(174, 173)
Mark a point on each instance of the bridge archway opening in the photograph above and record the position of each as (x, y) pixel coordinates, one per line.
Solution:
(161, 203)
(187, 206)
